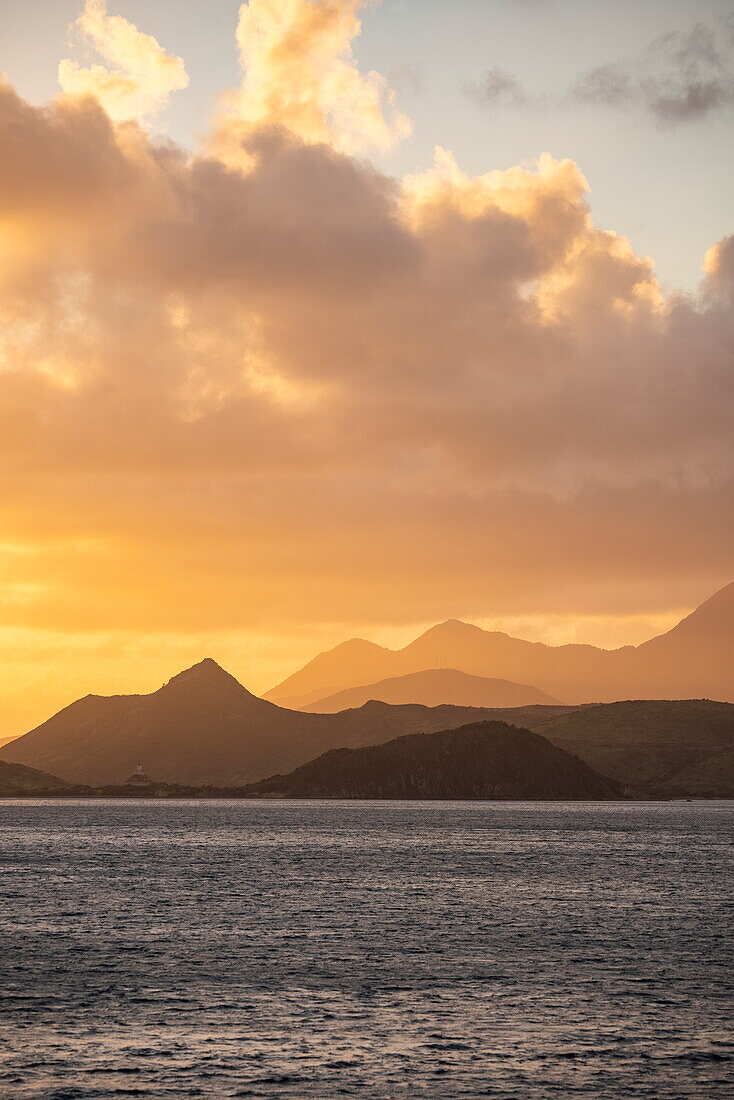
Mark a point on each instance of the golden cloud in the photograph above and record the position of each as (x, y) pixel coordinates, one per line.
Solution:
(249, 391)
(299, 73)
(144, 75)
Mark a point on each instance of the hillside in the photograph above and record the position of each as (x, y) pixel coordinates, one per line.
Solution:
(694, 660)
(205, 727)
(18, 779)
(666, 748)
(432, 687)
(712, 777)
(480, 760)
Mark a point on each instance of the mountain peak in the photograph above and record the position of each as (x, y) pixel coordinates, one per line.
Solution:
(203, 673)
(458, 626)
(451, 628)
(448, 631)
(713, 619)
(358, 644)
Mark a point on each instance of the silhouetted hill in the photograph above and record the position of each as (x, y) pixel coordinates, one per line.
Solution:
(480, 760)
(348, 664)
(694, 660)
(433, 687)
(18, 779)
(205, 727)
(668, 747)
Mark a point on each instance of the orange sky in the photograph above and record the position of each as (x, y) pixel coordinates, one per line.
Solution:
(259, 397)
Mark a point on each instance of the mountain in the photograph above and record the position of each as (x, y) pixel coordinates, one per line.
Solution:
(348, 664)
(7, 740)
(694, 660)
(204, 727)
(479, 760)
(681, 747)
(17, 779)
(432, 687)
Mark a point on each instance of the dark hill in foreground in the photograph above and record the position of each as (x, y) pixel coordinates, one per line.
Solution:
(484, 760)
(18, 779)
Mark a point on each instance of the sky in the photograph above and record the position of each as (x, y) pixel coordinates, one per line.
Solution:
(643, 172)
(323, 319)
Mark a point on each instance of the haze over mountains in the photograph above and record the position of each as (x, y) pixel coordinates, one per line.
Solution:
(693, 660)
(432, 687)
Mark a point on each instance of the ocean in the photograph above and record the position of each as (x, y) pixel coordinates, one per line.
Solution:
(371, 949)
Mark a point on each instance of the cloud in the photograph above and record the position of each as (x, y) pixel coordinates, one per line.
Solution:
(299, 73)
(304, 392)
(407, 77)
(496, 88)
(143, 76)
(682, 77)
(719, 267)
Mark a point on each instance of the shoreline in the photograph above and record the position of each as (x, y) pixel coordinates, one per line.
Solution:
(224, 797)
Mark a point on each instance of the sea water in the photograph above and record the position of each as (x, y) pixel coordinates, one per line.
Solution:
(373, 949)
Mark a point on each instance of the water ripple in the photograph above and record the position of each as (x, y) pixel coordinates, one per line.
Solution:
(378, 950)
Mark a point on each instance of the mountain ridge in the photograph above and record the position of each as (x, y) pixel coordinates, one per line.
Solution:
(695, 659)
(203, 726)
(431, 687)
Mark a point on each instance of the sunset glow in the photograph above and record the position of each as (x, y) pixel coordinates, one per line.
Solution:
(259, 395)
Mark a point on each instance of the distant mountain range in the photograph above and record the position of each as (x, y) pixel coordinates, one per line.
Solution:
(203, 727)
(432, 687)
(480, 760)
(694, 660)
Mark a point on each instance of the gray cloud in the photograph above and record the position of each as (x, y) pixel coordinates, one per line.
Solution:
(496, 88)
(407, 77)
(681, 77)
